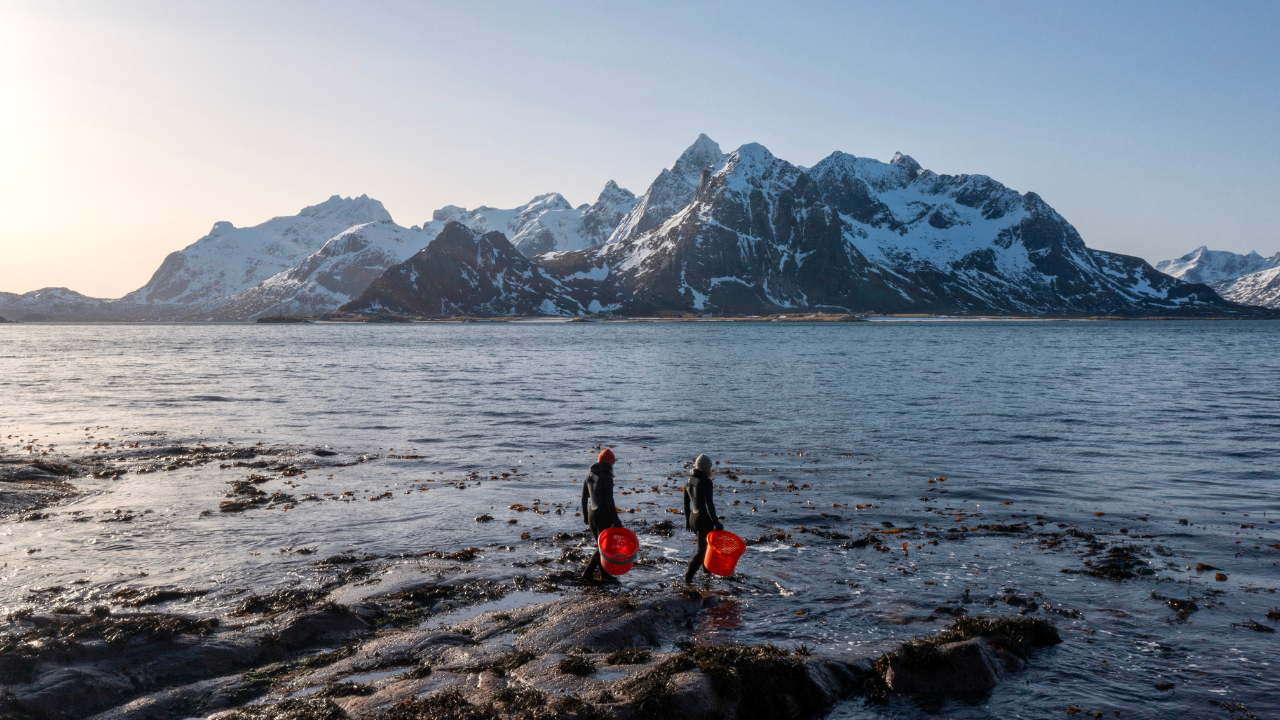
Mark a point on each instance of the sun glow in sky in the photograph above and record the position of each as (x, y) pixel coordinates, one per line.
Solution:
(128, 128)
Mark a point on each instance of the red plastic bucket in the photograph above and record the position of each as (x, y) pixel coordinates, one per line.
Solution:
(723, 550)
(618, 548)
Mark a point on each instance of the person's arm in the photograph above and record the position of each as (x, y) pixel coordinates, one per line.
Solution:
(586, 495)
(709, 504)
(685, 491)
(605, 488)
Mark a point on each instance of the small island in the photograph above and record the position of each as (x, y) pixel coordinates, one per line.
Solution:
(282, 319)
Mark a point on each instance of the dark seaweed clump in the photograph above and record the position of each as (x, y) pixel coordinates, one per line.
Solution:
(58, 634)
(1122, 562)
(765, 681)
(306, 708)
(522, 699)
(444, 705)
(504, 664)
(345, 689)
(280, 600)
(629, 656)
(577, 665)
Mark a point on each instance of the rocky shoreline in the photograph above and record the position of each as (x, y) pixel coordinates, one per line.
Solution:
(581, 653)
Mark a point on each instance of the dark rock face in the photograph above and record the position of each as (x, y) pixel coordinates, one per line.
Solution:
(462, 273)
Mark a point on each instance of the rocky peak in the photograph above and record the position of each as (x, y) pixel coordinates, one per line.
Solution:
(542, 203)
(447, 213)
(613, 195)
(752, 165)
(913, 167)
(702, 153)
(220, 227)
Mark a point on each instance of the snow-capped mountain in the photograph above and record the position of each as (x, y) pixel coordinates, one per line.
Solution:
(759, 234)
(1246, 279)
(462, 272)
(1207, 266)
(546, 223)
(54, 304)
(331, 276)
(307, 263)
(230, 260)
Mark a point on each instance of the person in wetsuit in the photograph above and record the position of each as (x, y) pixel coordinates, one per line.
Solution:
(699, 511)
(598, 509)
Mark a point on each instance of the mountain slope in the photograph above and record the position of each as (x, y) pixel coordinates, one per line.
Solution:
(462, 272)
(856, 234)
(1246, 279)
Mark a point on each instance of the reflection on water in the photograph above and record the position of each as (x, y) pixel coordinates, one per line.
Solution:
(1095, 439)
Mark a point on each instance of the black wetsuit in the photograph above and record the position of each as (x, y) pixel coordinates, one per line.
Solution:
(598, 509)
(699, 516)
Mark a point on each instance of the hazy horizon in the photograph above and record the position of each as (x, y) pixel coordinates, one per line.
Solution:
(131, 128)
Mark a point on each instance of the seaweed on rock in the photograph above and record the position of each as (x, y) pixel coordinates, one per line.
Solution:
(763, 681)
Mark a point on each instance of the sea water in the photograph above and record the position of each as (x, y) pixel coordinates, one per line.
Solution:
(1118, 430)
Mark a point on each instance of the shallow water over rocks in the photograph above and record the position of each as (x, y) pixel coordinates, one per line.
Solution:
(1102, 438)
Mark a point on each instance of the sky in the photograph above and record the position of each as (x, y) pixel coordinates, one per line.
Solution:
(128, 128)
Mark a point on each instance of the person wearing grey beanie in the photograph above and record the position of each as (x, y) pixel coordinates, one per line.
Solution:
(699, 511)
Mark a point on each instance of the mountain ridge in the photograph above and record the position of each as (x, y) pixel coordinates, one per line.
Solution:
(850, 234)
(743, 232)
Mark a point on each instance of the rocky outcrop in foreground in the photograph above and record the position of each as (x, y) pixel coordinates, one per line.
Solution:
(592, 654)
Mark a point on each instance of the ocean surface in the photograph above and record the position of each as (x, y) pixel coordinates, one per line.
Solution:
(1114, 431)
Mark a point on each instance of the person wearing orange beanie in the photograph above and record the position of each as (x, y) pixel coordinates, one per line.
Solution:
(598, 509)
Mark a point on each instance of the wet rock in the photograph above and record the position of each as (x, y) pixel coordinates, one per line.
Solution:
(964, 670)
(73, 665)
(609, 623)
(278, 601)
(132, 597)
(741, 681)
(963, 662)
(525, 662)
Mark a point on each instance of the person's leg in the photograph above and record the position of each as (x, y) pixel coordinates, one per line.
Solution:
(696, 562)
(594, 563)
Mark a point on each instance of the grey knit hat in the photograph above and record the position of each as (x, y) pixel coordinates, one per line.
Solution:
(702, 463)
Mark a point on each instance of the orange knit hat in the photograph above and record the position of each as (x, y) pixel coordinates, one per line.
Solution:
(606, 456)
